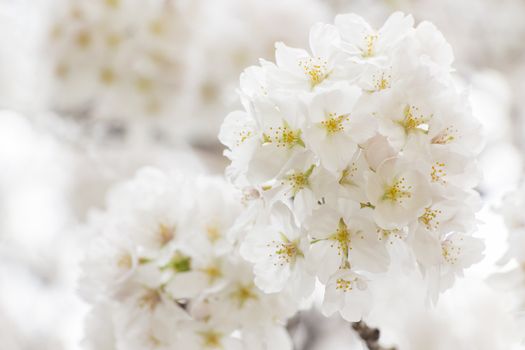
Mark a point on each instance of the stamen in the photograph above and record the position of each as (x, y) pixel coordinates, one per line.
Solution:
(429, 218)
(315, 69)
(438, 173)
(398, 191)
(285, 250)
(450, 252)
(370, 41)
(412, 123)
(299, 180)
(334, 123)
(243, 136)
(284, 136)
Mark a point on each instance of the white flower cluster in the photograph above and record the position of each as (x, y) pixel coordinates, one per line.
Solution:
(134, 59)
(163, 273)
(359, 143)
(126, 58)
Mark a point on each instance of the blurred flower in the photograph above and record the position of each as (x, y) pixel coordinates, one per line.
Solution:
(162, 271)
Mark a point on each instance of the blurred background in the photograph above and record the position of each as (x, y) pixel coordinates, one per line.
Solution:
(90, 91)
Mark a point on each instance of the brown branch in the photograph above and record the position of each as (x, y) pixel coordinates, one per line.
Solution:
(370, 336)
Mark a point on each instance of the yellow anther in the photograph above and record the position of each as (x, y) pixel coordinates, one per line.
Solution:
(285, 250)
(315, 69)
(411, 122)
(450, 252)
(437, 173)
(398, 191)
(284, 136)
(370, 41)
(429, 218)
(299, 180)
(344, 285)
(334, 123)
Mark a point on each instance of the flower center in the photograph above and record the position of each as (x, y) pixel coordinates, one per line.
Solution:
(343, 238)
(211, 339)
(285, 250)
(343, 285)
(299, 180)
(243, 293)
(334, 124)
(213, 272)
(284, 136)
(411, 122)
(397, 191)
(315, 69)
(382, 82)
(450, 252)
(370, 41)
(429, 218)
(438, 173)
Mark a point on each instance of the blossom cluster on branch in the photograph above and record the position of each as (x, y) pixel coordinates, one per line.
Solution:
(351, 152)
(163, 272)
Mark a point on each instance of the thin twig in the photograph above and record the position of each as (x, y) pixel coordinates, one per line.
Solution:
(370, 336)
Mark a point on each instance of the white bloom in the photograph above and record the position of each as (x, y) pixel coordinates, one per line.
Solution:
(299, 70)
(362, 42)
(348, 293)
(280, 138)
(458, 252)
(277, 250)
(344, 237)
(335, 128)
(398, 194)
